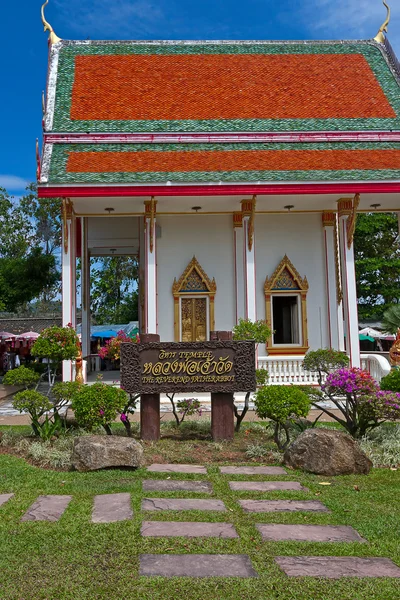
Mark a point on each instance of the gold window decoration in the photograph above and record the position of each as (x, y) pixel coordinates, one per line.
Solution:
(289, 291)
(191, 292)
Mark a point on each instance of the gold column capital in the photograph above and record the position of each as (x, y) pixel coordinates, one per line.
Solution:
(345, 207)
(237, 219)
(328, 218)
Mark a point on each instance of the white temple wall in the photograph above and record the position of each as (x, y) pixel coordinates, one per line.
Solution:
(300, 236)
(210, 239)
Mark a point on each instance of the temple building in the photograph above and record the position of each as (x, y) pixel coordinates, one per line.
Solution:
(233, 170)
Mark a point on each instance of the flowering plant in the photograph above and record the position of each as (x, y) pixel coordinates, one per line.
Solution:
(356, 396)
(112, 347)
(57, 344)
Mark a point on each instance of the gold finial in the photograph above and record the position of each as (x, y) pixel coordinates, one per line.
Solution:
(47, 27)
(380, 38)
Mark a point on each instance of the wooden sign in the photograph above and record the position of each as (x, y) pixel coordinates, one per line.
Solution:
(159, 367)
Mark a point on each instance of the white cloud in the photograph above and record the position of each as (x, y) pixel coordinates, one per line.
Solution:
(13, 182)
(108, 20)
(348, 19)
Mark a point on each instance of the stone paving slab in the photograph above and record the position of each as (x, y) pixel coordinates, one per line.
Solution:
(282, 505)
(5, 497)
(174, 485)
(199, 469)
(253, 471)
(309, 533)
(196, 565)
(334, 567)
(47, 508)
(266, 486)
(187, 529)
(110, 508)
(182, 504)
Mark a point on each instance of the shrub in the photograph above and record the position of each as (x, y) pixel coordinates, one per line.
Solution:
(357, 397)
(391, 381)
(324, 361)
(258, 332)
(57, 344)
(112, 347)
(280, 403)
(63, 393)
(184, 408)
(98, 405)
(382, 445)
(35, 404)
(21, 376)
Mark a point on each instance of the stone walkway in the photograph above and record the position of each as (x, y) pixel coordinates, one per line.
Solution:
(111, 508)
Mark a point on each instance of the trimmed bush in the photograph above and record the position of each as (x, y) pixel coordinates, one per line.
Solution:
(391, 381)
(21, 376)
(33, 403)
(98, 405)
(324, 361)
(281, 403)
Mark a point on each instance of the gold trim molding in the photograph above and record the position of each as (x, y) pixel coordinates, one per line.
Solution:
(271, 286)
(352, 220)
(67, 211)
(179, 290)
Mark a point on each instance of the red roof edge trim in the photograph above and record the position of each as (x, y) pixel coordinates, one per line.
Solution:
(277, 189)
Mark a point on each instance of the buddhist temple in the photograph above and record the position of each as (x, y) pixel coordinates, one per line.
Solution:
(234, 170)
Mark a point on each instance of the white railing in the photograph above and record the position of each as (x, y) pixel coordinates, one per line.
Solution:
(287, 370)
(376, 364)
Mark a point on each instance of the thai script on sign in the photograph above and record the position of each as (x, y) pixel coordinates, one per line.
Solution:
(188, 367)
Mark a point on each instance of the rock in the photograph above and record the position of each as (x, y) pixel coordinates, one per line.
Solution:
(327, 452)
(95, 452)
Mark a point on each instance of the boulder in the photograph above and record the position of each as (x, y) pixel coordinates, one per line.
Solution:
(95, 452)
(327, 452)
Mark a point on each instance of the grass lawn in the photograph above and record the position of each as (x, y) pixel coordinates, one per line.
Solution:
(75, 559)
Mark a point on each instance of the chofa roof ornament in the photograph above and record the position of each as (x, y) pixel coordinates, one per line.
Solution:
(47, 27)
(380, 38)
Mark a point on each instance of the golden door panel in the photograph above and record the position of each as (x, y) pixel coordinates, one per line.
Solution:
(194, 319)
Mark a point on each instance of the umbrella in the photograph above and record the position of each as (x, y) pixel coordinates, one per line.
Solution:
(364, 338)
(369, 331)
(133, 333)
(28, 335)
(109, 333)
(5, 335)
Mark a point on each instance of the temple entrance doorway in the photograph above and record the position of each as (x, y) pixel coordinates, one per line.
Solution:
(194, 324)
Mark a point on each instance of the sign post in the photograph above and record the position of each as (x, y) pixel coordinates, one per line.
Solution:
(219, 367)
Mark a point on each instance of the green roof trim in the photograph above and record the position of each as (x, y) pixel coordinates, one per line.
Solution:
(373, 53)
(58, 165)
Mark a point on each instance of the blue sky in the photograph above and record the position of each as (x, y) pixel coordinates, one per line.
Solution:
(24, 45)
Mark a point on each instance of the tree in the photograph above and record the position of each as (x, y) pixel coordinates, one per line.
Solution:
(377, 256)
(113, 297)
(44, 215)
(25, 267)
(24, 278)
(391, 319)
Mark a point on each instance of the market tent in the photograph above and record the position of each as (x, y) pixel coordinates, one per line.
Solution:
(366, 338)
(104, 334)
(5, 335)
(370, 332)
(28, 335)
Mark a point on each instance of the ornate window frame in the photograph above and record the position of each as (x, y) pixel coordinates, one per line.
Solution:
(273, 287)
(180, 290)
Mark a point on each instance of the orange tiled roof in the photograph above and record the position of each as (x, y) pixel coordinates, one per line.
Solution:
(226, 86)
(232, 161)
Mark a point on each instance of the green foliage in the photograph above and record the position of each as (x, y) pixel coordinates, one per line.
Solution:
(281, 403)
(377, 256)
(98, 405)
(24, 278)
(262, 376)
(391, 319)
(21, 376)
(113, 297)
(64, 391)
(391, 381)
(35, 404)
(57, 344)
(324, 361)
(257, 331)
